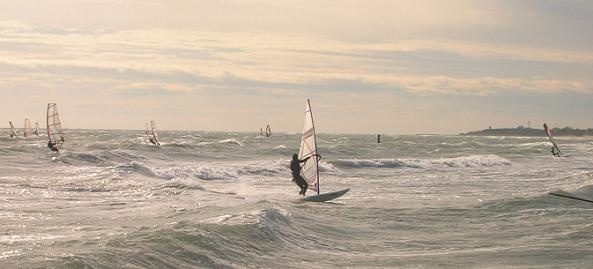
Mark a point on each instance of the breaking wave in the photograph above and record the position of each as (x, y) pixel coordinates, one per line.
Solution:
(467, 161)
(214, 171)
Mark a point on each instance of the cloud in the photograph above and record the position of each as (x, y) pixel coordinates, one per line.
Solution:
(179, 61)
(272, 54)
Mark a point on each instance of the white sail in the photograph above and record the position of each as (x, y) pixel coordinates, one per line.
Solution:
(54, 127)
(310, 169)
(12, 131)
(152, 135)
(27, 129)
(153, 129)
(268, 131)
(549, 134)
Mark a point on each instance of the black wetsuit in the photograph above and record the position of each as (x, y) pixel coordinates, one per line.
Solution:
(295, 167)
(555, 153)
(51, 146)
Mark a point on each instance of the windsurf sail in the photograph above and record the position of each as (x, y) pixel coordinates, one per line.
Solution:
(152, 135)
(27, 129)
(268, 131)
(36, 132)
(310, 169)
(54, 128)
(555, 150)
(12, 131)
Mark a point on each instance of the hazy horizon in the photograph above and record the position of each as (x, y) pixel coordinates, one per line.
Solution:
(404, 67)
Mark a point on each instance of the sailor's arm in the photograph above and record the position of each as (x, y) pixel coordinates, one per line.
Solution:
(306, 159)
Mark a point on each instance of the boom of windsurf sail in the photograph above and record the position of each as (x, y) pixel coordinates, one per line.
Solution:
(27, 129)
(12, 131)
(310, 169)
(54, 127)
(568, 195)
(555, 150)
(268, 131)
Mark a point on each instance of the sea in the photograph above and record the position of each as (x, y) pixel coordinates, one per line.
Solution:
(110, 199)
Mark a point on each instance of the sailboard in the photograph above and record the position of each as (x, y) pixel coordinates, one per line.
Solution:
(555, 150)
(572, 196)
(152, 135)
(268, 131)
(12, 131)
(27, 129)
(55, 134)
(36, 132)
(310, 168)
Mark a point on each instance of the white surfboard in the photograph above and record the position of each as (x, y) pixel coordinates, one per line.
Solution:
(310, 169)
(324, 197)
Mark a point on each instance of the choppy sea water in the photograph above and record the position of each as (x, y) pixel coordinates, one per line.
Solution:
(226, 200)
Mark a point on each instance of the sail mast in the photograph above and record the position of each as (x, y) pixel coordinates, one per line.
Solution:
(314, 139)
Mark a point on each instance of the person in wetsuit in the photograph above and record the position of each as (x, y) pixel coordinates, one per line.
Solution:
(556, 154)
(295, 167)
(52, 146)
(153, 140)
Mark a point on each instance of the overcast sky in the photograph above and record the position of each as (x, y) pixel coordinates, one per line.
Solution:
(392, 67)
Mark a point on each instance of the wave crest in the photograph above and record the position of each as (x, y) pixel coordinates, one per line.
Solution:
(466, 161)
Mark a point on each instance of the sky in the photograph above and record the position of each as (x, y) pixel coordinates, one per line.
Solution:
(391, 67)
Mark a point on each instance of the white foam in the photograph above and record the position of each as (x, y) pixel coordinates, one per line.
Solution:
(214, 171)
(466, 161)
(231, 141)
(535, 144)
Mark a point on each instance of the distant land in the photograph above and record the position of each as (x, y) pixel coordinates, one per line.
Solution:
(522, 131)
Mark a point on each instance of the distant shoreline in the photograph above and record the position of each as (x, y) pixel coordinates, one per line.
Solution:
(522, 131)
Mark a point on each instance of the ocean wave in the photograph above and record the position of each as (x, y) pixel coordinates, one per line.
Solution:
(231, 141)
(218, 171)
(467, 161)
(224, 241)
(259, 216)
(100, 157)
(535, 144)
(144, 170)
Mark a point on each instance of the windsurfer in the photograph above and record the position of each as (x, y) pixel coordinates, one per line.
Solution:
(153, 140)
(295, 166)
(555, 153)
(52, 146)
